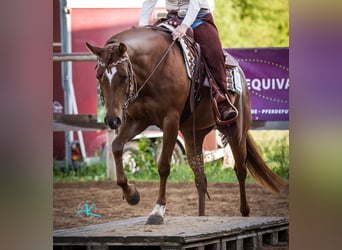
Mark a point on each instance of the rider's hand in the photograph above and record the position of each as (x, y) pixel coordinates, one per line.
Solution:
(180, 31)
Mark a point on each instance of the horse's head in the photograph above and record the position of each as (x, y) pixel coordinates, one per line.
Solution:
(114, 74)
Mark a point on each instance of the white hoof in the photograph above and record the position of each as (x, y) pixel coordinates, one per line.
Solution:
(156, 217)
(158, 210)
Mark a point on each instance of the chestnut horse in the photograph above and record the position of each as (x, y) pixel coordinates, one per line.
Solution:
(143, 79)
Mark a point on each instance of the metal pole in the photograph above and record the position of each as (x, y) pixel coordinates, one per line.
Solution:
(70, 105)
(66, 73)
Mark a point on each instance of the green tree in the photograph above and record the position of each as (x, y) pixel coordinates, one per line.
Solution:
(252, 23)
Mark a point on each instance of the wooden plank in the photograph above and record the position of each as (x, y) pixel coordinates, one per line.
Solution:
(208, 245)
(76, 56)
(176, 232)
(84, 121)
(63, 122)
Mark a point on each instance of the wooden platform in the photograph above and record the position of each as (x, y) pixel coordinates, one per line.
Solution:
(191, 233)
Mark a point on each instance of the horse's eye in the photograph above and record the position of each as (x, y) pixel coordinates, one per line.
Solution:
(123, 78)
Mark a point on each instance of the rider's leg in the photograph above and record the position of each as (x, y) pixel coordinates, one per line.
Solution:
(206, 35)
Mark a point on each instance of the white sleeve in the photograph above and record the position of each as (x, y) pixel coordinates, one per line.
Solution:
(146, 12)
(191, 14)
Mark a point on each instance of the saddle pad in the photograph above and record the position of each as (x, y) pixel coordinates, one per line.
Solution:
(189, 58)
(235, 77)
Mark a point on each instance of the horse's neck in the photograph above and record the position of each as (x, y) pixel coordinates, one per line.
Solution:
(144, 41)
(145, 49)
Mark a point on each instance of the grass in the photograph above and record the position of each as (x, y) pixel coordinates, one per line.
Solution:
(273, 145)
(84, 172)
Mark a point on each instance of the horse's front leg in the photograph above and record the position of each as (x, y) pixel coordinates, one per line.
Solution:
(170, 130)
(130, 193)
(126, 132)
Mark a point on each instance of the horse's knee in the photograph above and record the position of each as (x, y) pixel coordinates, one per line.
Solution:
(164, 168)
(117, 148)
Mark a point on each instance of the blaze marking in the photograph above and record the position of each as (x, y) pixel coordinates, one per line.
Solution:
(111, 75)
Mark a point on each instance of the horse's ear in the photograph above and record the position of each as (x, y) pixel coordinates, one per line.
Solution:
(122, 49)
(95, 50)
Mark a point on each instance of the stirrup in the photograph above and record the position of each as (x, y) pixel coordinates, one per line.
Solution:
(233, 109)
(229, 114)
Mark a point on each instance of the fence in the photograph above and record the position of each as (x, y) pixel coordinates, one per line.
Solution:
(80, 122)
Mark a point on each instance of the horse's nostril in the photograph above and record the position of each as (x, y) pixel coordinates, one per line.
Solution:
(112, 122)
(118, 122)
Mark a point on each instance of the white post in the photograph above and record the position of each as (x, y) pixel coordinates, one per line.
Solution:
(111, 170)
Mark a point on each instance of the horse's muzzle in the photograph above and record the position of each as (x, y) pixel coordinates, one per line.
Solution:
(112, 122)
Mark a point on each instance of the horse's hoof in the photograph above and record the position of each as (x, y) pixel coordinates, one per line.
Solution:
(155, 220)
(135, 199)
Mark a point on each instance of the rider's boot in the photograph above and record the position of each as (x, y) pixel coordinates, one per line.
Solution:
(225, 104)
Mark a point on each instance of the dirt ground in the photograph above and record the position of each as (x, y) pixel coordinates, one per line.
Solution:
(69, 198)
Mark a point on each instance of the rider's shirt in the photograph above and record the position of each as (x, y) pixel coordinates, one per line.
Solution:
(190, 8)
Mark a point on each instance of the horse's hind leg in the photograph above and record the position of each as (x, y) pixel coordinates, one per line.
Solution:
(240, 155)
(194, 156)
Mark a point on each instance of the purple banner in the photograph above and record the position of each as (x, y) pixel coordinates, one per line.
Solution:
(267, 73)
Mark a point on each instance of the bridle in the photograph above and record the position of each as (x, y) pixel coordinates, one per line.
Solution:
(133, 91)
(132, 88)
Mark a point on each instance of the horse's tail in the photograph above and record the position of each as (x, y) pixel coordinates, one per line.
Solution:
(259, 170)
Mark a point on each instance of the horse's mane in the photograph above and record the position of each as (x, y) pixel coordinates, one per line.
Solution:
(140, 38)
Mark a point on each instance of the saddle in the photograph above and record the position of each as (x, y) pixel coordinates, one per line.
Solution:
(197, 69)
